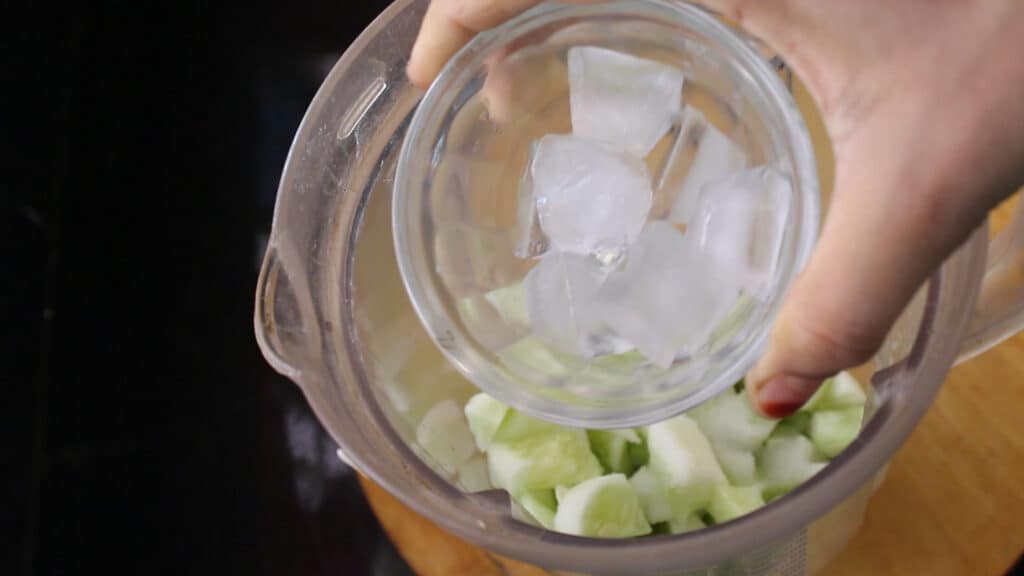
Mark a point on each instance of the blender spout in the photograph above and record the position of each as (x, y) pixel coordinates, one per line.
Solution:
(285, 318)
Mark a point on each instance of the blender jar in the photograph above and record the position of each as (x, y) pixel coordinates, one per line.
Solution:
(332, 315)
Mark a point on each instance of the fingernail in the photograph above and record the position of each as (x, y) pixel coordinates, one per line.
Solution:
(782, 395)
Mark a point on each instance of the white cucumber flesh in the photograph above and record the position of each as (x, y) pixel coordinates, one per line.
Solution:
(683, 460)
(840, 391)
(445, 436)
(653, 497)
(833, 430)
(485, 415)
(603, 507)
(731, 502)
(542, 462)
(785, 463)
(728, 420)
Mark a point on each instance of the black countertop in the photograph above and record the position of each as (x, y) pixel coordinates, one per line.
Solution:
(149, 436)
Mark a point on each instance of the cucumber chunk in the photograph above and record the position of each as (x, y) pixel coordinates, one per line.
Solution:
(612, 448)
(560, 492)
(541, 506)
(730, 502)
(510, 302)
(687, 523)
(532, 356)
(542, 461)
(610, 369)
(472, 475)
(638, 454)
(651, 493)
(683, 460)
(485, 415)
(516, 426)
(445, 437)
(833, 430)
(793, 425)
(729, 421)
(785, 463)
(603, 507)
(840, 391)
(739, 466)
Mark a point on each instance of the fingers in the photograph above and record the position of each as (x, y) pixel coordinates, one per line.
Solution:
(893, 220)
(448, 25)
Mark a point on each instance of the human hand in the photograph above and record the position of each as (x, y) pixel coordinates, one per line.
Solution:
(924, 104)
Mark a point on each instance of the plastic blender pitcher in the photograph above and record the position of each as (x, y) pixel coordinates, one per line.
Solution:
(332, 314)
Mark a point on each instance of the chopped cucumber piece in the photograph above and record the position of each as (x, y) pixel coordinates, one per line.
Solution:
(612, 448)
(560, 492)
(739, 466)
(421, 381)
(785, 463)
(628, 434)
(610, 369)
(485, 415)
(660, 528)
(541, 505)
(638, 454)
(652, 496)
(445, 437)
(683, 460)
(687, 523)
(833, 430)
(516, 426)
(532, 356)
(841, 391)
(729, 421)
(520, 514)
(472, 475)
(542, 461)
(604, 507)
(510, 302)
(730, 502)
(793, 425)
(624, 362)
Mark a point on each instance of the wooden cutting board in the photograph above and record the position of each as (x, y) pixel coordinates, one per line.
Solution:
(951, 504)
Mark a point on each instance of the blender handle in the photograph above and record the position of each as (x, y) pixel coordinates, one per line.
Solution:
(999, 309)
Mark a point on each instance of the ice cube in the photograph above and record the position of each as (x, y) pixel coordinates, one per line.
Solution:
(560, 293)
(741, 223)
(717, 156)
(664, 300)
(620, 99)
(590, 199)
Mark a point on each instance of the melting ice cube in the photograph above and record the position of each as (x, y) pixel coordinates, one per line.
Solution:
(590, 199)
(717, 156)
(620, 99)
(560, 292)
(741, 223)
(664, 300)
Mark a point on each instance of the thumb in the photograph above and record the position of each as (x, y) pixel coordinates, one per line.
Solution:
(892, 221)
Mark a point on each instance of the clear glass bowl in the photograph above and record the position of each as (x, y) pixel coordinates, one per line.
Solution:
(461, 170)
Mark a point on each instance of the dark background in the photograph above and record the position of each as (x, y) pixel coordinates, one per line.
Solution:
(145, 433)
